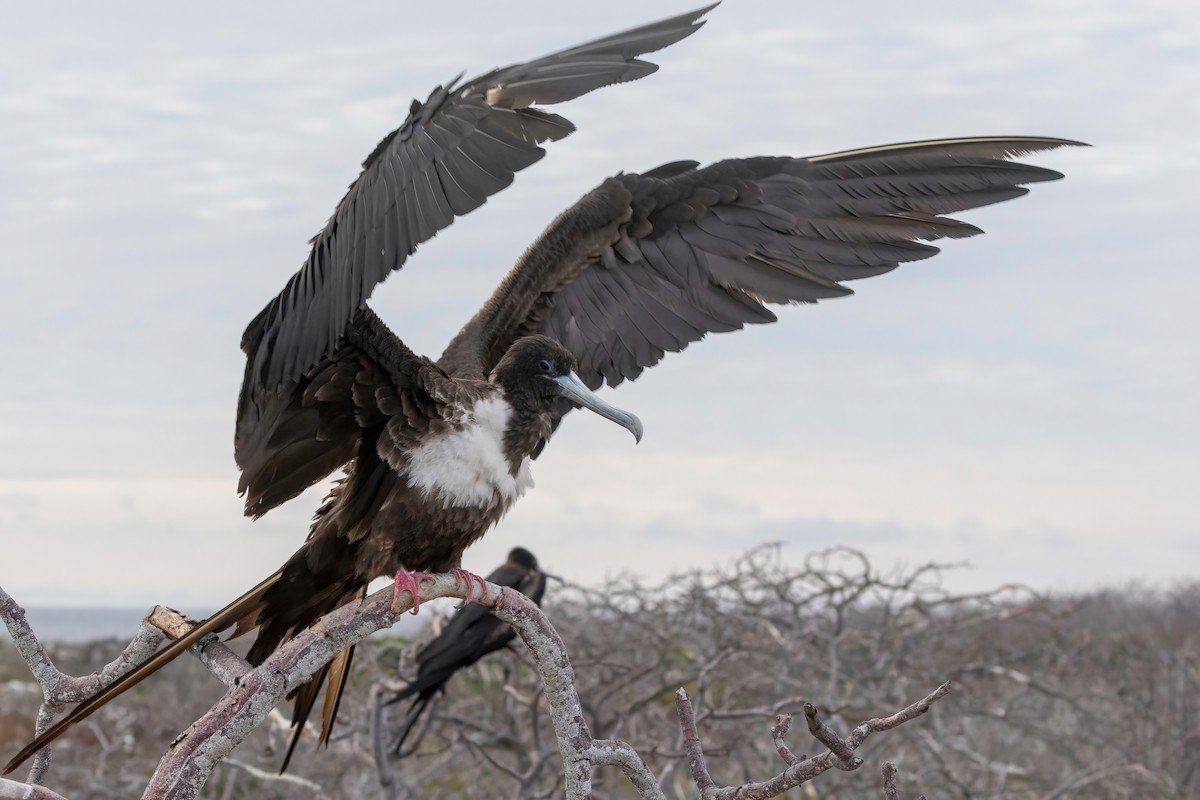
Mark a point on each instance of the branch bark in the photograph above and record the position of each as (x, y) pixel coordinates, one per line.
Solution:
(14, 790)
(253, 693)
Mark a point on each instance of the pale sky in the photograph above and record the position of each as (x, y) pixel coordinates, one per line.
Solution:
(1027, 401)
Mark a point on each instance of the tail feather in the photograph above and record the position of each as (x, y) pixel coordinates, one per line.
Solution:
(414, 714)
(337, 672)
(305, 697)
(246, 605)
(333, 695)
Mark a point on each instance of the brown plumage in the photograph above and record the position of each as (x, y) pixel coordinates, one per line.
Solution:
(643, 265)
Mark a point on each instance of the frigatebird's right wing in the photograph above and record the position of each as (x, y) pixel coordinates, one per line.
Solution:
(459, 147)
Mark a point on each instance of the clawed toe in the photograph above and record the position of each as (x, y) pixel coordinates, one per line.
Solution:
(470, 578)
(408, 582)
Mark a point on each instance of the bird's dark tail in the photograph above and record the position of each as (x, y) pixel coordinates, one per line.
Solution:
(337, 673)
(317, 579)
(414, 714)
(245, 607)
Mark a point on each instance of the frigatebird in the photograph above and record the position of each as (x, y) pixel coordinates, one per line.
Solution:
(471, 634)
(435, 452)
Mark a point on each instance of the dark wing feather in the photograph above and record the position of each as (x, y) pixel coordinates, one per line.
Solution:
(371, 392)
(691, 251)
(462, 145)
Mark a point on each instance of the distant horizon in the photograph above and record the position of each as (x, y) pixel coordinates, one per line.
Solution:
(71, 624)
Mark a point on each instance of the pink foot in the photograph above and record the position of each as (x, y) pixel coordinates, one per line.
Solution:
(409, 582)
(471, 578)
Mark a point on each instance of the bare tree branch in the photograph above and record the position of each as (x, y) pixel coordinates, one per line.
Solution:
(617, 753)
(263, 775)
(836, 744)
(802, 771)
(12, 790)
(59, 689)
(783, 723)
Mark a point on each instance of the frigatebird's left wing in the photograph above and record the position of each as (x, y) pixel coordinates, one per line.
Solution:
(646, 264)
(459, 147)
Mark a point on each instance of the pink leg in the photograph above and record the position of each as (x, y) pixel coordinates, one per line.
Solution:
(471, 578)
(409, 582)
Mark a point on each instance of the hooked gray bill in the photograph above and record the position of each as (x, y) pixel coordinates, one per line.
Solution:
(575, 390)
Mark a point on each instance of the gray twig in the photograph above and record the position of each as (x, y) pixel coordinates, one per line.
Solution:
(783, 723)
(802, 771)
(826, 736)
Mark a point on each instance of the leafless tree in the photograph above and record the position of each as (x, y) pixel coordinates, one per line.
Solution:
(1094, 696)
(1049, 688)
(253, 694)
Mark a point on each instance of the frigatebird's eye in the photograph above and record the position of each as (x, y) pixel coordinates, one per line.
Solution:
(545, 366)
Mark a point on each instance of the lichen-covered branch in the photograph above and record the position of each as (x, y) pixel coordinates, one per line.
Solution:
(13, 790)
(58, 689)
(783, 723)
(616, 753)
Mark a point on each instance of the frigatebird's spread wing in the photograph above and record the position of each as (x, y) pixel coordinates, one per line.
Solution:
(646, 264)
(455, 150)
(472, 633)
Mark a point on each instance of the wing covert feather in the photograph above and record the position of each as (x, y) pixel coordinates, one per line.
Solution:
(287, 441)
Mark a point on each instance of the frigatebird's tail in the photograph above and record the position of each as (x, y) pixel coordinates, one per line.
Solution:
(337, 673)
(246, 606)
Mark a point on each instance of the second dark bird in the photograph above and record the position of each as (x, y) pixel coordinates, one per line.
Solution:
(471, 634)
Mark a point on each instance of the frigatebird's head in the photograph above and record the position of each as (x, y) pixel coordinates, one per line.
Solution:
(521, 556)
(537, 373)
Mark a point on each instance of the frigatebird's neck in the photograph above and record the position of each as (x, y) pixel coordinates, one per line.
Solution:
(527, 426)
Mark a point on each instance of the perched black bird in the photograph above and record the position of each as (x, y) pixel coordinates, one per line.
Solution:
(471, 634)
(435, 452)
